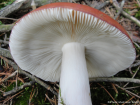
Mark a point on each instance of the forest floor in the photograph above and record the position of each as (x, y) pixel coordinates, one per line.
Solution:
(21, 88)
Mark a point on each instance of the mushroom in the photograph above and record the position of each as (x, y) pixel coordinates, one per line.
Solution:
(70, 43)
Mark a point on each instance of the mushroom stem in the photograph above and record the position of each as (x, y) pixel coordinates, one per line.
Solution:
(74, 81)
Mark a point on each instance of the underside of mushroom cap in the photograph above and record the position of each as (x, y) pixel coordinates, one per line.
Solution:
(37, 39)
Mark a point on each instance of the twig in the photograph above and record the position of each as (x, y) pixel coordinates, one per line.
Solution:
(18, 88)
(31, 95)
(122, 4)
(136, 45)
(17, 79)
(6, 28)
(1, 91)
(51, 101)
(109, 94)
(132, 77)
(5, 41)
(11, 101)
(110, 13)
(5, 61)
(55, 100)
(6, 53)
(10, 76)
(114, 88)
(130, 70)
(8, 18)
(127, 91)
(132, 87)
(131, 7)
(115, 79)
(128, 100)
(4, 73)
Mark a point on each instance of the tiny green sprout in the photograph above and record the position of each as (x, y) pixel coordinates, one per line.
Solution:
(123, 93)
(137, 15)
(1, 23)
(127, 95)
(127, 11)
(104, 83)
(20, 84)
(27, 88)
(116, 95)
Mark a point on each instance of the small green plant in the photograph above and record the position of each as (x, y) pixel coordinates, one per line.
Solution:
(127, 11)
(1, 23)
(137, 15)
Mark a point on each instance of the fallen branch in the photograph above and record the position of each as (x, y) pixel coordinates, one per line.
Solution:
(24, 5)
(6, 28)
(122, 4)
(6, 53)
(10, 9)
(114, 79)
(8, 18)
(18, 88)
